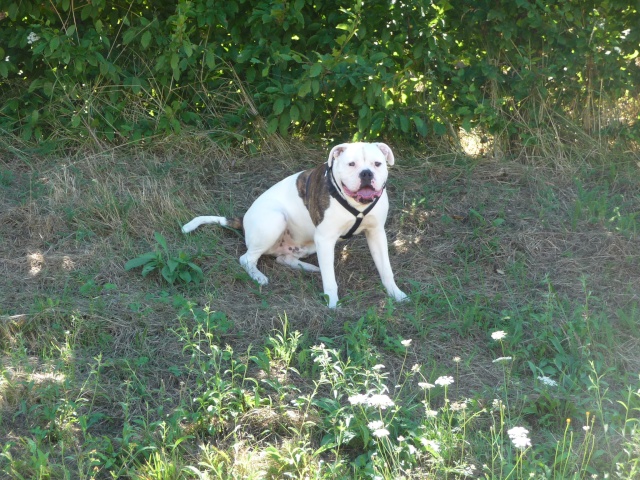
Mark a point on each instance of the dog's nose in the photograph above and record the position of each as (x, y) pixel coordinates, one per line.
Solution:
(366, 176)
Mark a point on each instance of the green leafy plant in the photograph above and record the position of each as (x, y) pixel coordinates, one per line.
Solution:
(173, 268)
(72, 73)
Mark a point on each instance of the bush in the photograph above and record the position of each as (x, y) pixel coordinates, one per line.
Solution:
(115, 73)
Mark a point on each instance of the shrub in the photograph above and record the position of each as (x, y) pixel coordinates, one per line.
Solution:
(101, 72)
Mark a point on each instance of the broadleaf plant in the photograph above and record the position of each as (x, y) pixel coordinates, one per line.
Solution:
(172, 268)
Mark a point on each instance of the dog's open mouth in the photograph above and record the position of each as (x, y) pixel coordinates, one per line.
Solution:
(366, 194)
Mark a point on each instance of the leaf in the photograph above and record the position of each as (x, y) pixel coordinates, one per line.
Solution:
(148, 268)
(272, 125)
(54, 43)
(136, 85)
(439, 128)
(210, 59)
(139, 261)
(175, 58)
(145, 40)
(364, 111)
(161, 241)
(376, 57)
(315, 70)
(167, 274)
(172, 264)
(420, 126)
(196, 268)
(284, 123)
(304, 89)
(294, 113)
(129, 35)
(278, 106)
(27, 131)
(404, 123)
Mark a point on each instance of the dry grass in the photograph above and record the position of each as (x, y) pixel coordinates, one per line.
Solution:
(84, 217)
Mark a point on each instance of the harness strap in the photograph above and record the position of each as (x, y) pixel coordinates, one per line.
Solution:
(335, 192)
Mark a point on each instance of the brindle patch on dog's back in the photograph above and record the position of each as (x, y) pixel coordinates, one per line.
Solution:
(314, 192)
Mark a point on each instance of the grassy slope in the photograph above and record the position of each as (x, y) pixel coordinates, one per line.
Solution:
(106, 373)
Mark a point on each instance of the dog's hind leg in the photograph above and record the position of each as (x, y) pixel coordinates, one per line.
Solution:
(296, 264)
(250, 264)
(261, 237)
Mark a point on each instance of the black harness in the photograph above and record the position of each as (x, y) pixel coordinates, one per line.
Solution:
(336, 192)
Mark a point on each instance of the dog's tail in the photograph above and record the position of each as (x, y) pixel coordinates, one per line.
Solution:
(225, 222)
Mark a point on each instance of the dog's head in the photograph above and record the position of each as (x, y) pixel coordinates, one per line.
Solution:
(360, 169)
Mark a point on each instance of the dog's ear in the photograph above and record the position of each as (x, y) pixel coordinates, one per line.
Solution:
(336, 152)
(386, 151)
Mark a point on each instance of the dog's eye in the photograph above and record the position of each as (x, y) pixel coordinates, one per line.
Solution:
(352, 164)
(378, 164)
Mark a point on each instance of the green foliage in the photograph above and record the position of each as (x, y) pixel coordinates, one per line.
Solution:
(103, 72)
(172, 268)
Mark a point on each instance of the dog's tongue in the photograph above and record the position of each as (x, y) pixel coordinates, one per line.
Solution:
(364, 195)
(367, 193)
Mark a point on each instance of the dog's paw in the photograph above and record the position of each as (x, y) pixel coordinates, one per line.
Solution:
(399, 296)
(330, 301)
(260, 278)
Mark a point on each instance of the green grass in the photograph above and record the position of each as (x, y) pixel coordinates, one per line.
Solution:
(105, 373)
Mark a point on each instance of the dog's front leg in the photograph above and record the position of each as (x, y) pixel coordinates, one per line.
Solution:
(377, 240)
(325, 249)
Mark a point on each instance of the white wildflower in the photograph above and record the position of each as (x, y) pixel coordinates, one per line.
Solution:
(467, 470)
(425, 385)
(321, 355)
(377, 367)
(381, 432)
(380, 401)
(406, 343)
(359, 399)
(499, 335)
(430, 413)
(586, 428)
(548, 381)
(415, 368)
(457, 406)
(517, 432)
(519, 437)
(502, 359)
(375, 425)
(32, 38)
(430, 444)
(521, 442)
(444, 381)
(457, 359)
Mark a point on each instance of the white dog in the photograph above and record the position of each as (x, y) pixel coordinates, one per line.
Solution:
(309, 211)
